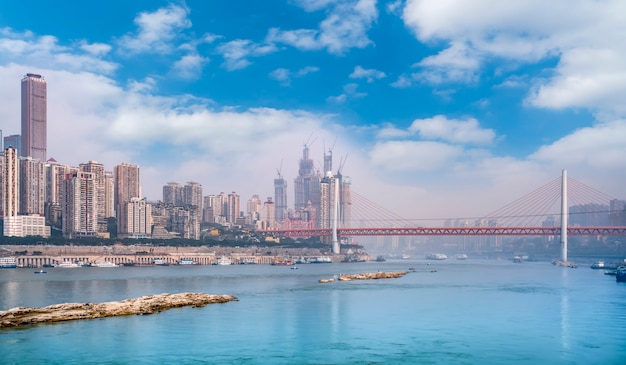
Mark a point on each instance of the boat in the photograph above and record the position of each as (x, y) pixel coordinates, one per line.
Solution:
(247, 261)
(294, 267)
(436, 256)
(321, 260)
(598, 265)
(105, 264)
(187, 262)
(461, 256)
(282, 261)
(620, 274)
(68, 264)
(224, 260)
(517, 259)
(40, 272)
(160, 262)
(380, 259)
(8, 263)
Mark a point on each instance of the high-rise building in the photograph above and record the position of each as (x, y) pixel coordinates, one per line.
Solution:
(192, 194)
(233, 208)
(280, 198)
(109, 194)
(135, 220)
(269, 213)
(97, 171)
(34, 117)
(253, 209)
(10, 183)
(15, 141)
(215, 208)
(127, 184)
(80, 210)
(32, 186)
(173, 194)
(55, 174)
(307, 183)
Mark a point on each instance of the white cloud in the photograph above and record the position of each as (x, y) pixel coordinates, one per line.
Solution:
(345, 27)
(369, 74)
(157, 30)
(189, 66)
(581, 35)
(454, 131)
(413, 155)
(349, 92)
(586, 78)
(284, 75)
(45, 51)
(237, 52)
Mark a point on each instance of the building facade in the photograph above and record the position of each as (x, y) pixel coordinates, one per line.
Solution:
(80, 209)
(34, 117)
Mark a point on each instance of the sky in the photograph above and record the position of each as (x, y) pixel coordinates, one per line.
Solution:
(446, 108)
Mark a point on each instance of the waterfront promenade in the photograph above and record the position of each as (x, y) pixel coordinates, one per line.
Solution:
(40, 255)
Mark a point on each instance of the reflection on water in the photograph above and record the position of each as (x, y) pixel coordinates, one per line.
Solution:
(565, 330)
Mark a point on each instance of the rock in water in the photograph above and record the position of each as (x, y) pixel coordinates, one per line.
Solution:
(367, 276)
(143, 305)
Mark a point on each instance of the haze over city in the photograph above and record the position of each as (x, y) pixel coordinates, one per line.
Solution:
(439, 109)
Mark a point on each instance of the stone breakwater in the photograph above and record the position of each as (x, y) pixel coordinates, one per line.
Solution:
(72, 311)
(367, 276)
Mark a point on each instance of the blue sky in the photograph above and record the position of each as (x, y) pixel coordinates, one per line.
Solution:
(439, 108)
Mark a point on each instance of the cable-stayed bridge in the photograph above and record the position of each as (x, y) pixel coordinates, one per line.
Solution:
(544, 211)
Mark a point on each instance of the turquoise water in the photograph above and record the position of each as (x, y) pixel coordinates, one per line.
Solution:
(446, 312)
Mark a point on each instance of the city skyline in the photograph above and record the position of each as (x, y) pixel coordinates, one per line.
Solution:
(436, 112)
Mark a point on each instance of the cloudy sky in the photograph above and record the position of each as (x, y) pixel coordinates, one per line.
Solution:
(433, 108)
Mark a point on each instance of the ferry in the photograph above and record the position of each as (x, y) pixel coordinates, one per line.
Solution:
(8, 263)
(160, 262)
(461, 256)
(321, 260)
(436, 256)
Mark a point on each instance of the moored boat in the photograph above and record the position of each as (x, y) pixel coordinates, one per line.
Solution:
(224, 260)
(68, 264)
(105, 264)
(620, 274)
(8, 263)
(436, 256)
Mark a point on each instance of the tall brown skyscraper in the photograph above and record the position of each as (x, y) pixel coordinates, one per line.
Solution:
(34, 117)
(127, 186)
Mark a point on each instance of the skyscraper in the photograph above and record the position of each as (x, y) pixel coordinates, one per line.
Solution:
(127, 185)
(80, 210)
(34, 117)
(307, 183)
(97, 171)
(192, 194)
(280, 198)
(173, 194)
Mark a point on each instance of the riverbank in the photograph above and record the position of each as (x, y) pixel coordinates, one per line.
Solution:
(35, 256)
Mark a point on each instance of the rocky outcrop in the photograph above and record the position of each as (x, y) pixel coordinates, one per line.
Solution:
(143, 305)
(367, 276)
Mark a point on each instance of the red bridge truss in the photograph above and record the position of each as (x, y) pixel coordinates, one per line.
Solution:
(456, 231)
